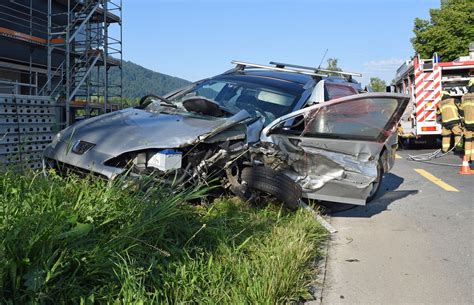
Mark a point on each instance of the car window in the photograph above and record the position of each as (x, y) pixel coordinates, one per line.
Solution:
(275, 98)
(365, 119)
(210, 90)
(235, 95)
(334, 91)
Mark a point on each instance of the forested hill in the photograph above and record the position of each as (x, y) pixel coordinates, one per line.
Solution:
(139, 81)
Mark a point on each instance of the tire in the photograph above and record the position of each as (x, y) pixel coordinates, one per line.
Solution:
(269, 181)
(377, 182)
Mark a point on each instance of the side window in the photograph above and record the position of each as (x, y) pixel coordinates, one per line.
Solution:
(366, 119)
(334, 91)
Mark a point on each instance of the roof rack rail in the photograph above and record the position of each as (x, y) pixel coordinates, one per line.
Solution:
(241, 65)
(315, 70)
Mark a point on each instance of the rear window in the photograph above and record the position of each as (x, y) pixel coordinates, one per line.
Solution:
(334, 91)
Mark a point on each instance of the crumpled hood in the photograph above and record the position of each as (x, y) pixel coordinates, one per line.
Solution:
(136, 129)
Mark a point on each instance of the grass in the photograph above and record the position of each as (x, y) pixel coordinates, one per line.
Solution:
(83, 241)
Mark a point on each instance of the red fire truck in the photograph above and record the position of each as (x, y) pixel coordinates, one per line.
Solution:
(424, 79)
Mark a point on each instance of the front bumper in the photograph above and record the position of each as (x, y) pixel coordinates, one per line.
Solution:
(92, 161)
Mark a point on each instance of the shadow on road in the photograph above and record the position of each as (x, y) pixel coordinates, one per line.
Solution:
(387, 194)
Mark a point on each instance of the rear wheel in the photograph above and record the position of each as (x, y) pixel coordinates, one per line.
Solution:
(269, 181)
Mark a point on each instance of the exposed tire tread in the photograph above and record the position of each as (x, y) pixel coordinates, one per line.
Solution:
(274, 183)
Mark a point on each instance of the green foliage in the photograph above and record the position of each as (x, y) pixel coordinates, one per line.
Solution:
(125, 101)
(332, 64)
(87, 241)
(448, 32)
(139, 81)
(377, 84)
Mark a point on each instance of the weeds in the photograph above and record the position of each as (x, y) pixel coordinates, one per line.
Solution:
(85, 241)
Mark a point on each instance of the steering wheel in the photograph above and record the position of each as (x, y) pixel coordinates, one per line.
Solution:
(147, 99)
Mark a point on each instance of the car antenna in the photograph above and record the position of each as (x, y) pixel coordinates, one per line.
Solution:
(322, 59)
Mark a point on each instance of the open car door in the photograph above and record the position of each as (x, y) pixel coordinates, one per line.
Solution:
(336, 150)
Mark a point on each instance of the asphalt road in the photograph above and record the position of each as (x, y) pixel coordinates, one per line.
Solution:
(413, 245)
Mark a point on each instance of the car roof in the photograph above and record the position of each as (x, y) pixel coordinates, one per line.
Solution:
(280, 75)
(281, 84)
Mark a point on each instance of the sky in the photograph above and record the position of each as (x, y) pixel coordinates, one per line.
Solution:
(195, 39)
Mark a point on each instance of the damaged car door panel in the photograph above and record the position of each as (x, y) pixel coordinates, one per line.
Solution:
(252, 130)
(336, 155)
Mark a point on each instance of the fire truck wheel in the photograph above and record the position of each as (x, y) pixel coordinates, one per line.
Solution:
(407, 143)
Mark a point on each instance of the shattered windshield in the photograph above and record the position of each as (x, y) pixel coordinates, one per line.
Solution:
(233, 96)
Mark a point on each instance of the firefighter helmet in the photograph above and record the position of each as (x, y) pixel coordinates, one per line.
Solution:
(471, 82)
(445, 94)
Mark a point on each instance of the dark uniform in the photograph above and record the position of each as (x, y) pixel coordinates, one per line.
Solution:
(467, 106)
(450, 121)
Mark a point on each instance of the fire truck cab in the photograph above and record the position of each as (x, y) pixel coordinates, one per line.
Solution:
(423, 80)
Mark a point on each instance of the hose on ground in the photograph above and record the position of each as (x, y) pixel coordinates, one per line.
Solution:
(427, 157)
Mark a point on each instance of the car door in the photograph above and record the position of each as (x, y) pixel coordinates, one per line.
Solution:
(332, 150)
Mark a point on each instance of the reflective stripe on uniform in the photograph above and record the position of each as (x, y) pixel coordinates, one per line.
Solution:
(448, 106)
(450, 120)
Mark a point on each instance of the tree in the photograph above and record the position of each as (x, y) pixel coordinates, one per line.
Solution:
(448, 32)
(332, 64)
(377, 84)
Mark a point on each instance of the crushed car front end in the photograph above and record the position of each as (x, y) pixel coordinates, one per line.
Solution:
(143, 142)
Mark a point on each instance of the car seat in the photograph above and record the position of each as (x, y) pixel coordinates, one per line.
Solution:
(246, 98)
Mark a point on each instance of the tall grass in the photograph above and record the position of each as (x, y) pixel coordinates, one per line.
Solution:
(72, 240)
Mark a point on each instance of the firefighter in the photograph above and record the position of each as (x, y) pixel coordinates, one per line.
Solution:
(467, 106)
(450, 121)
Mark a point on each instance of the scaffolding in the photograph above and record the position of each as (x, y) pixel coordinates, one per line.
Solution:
(74, 46)
(56, 62)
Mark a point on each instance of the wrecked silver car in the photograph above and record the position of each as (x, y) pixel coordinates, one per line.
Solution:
(257, 128)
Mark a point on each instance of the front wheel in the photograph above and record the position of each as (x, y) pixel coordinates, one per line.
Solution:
(269, 181)
(377, 182)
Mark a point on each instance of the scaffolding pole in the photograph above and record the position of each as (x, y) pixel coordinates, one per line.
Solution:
(105, 55)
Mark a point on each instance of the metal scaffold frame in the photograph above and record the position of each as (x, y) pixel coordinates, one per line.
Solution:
(86, 35)
(55, 65)
(88, 46)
